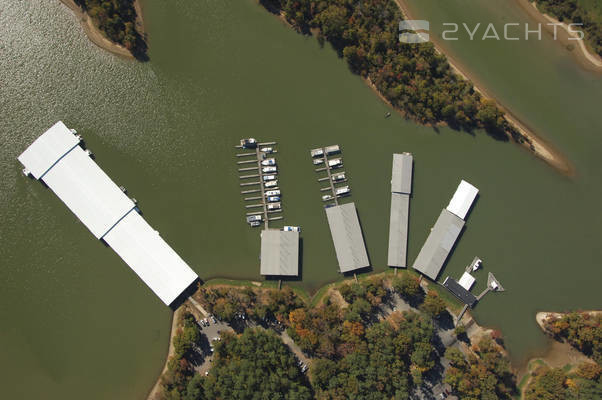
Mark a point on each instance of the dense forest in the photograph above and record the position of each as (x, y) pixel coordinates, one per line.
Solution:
(581, 330)
(357, 351)
(588, 13)
(414, 78)
(117, 20)
(485, 375)
(558, 384)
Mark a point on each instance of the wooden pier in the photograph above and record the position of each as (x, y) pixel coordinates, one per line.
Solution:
(250, 191)
(334, 193)
(249, 176)
(250, 183)
(247, 169)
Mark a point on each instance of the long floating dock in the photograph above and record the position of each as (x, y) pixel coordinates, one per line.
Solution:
(57, 159)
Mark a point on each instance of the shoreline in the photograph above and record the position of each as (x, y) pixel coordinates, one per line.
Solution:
(533, 142)
(584, 57)
(97, 37)
(558, 354)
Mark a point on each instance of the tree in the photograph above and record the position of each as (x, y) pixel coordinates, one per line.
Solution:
(433, 305)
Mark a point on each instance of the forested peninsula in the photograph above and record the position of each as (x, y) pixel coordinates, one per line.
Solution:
(115, 25)
(415, 79)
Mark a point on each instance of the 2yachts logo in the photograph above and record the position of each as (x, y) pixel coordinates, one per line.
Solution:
(510, 31)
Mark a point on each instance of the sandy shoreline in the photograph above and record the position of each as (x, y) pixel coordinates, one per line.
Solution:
(97, 37)
(583, 55)
(534, 143)
(559, 354)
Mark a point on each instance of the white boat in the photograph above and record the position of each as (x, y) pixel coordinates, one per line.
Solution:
(269, 161)
(342, 190)
(336, 162)
(317, 152)
(288, 228)
(26, 172)
(267, 150)
(270, 184)
(269, 169)
(338, 177)
(273, 199)
(269, 178)
(274, 206)
(254, 218)
(255, 223)
(333, 149)
(318, 161)
(327, 197)
(249, 143)
(272, 193)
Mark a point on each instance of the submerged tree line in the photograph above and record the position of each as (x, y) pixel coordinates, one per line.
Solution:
(414, 78)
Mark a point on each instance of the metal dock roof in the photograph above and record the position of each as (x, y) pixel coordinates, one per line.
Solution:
(439, 243)
(279, 252)
(457, 290)
(398, 230)
(401, 177)
(106, 211)
(347, 237)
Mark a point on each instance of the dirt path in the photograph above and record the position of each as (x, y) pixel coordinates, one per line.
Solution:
(534, 143)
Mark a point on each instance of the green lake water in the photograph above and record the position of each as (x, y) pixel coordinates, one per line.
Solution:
(78, 323)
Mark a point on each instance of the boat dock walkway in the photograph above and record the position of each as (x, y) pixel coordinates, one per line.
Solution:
(258, 187)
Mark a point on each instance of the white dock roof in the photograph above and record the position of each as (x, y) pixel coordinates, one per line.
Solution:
(463, 198)
(466, 281)
(48, 149)
(88, 192)
(106, 211)
(151, 258)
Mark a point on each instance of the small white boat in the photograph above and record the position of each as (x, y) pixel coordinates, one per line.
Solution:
(333, 149)
(270, 184)
(267, 150)
(342, 190)
(317, 152)
(336, 162)
(255, 224)
(26, 172)
(273, 199)
(274, 206)
(272, 193)
(269, 161)
(254, 218)
(338, 177)
(89, 153)
(269, 178)
(318, 161)
(288, 228)
(327, 197)
(249, 143)
(266, 170)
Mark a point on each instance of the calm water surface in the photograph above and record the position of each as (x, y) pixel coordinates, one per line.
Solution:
(77, 322)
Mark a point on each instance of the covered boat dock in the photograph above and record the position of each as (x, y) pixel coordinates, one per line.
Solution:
(347, 237)
(446, 231)
(401, 189)
(57, 159)
(279, 253)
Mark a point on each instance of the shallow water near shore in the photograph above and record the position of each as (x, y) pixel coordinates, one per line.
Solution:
(78, 323)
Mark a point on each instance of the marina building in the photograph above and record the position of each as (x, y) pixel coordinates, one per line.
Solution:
(279, 253)
(444, 234)
(401, 189)
(57, 159)
(347, 237)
